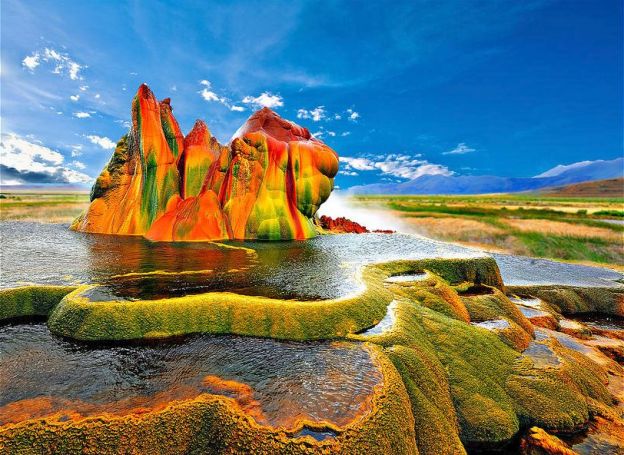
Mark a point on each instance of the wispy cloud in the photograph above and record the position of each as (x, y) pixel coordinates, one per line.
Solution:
(82, 114)
(26, 161)
(76, 150)
(461, 149)
(211, 96)
(353, 115)
(397, 165)
(317, 114)
(320, 113)
(61, 62)
(102, 141)
(265, 99)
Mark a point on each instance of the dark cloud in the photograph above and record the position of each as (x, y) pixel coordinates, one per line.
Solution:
(10, 173)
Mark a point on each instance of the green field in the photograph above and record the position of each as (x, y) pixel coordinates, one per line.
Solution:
(53, 207)
(567, 228)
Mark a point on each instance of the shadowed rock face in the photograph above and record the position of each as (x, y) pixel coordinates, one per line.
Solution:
(267, 184)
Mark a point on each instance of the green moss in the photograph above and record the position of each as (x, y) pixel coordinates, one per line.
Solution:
(31, 300)
(576, 299)
(494, 306)
(222, 313)
(482, 270)
(456, 384)
(228, 313)
(427, 385)
(435, 294)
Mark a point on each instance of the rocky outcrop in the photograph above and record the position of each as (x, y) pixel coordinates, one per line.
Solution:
(342, 225)
(538, 442)
(141, 181)
(267, 184)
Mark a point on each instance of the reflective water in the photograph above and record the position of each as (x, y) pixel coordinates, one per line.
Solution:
(320, 268)
(540, 353)
(493, 324)
(407, 278)
(601, 321)
(277, 382)
(530, 302)
(386, 323)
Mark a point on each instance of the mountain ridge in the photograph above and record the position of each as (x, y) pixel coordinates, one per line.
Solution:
(483, 184)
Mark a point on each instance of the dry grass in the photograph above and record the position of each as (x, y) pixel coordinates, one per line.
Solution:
(61, 213)
(42, 207)
(563, 228)
(450, 227)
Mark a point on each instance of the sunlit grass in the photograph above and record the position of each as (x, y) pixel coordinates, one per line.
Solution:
(553, 227)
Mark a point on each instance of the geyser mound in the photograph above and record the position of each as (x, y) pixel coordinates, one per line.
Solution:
(268, 183)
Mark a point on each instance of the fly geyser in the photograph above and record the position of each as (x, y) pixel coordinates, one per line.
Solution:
(267, 183)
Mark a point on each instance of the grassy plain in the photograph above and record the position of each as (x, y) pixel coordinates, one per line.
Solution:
(47, 207)
(568, 228)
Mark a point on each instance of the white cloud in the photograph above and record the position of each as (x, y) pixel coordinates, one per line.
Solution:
(102, 141)
(353, 115)
(349, 173)
(361, 164)
(78, 164)
(265, 99)
(461, 149)
(76, 150)
(124, 123)
(62, 62)
(82, 114)
(402, 166)
(320, 113)
(83, 88)
(74, 97)
(317, 114)
(209, 95)
(31, 62)
(97, 96)
(212, 96)
(345, 133)
(27, 161)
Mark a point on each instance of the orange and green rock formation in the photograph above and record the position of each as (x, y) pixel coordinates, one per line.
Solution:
(267, 184)
(141, 181)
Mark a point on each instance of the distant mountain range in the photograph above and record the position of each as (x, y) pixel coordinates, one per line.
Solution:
(480, 184)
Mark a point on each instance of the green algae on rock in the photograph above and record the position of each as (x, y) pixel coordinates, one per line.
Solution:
(576, 299)
(217, 424)
(32, 300)
(449, 384)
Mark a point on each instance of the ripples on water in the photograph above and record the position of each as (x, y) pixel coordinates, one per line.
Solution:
(319, 268)
(322, 381)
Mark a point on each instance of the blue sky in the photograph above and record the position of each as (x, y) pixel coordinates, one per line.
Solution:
(398, 89)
